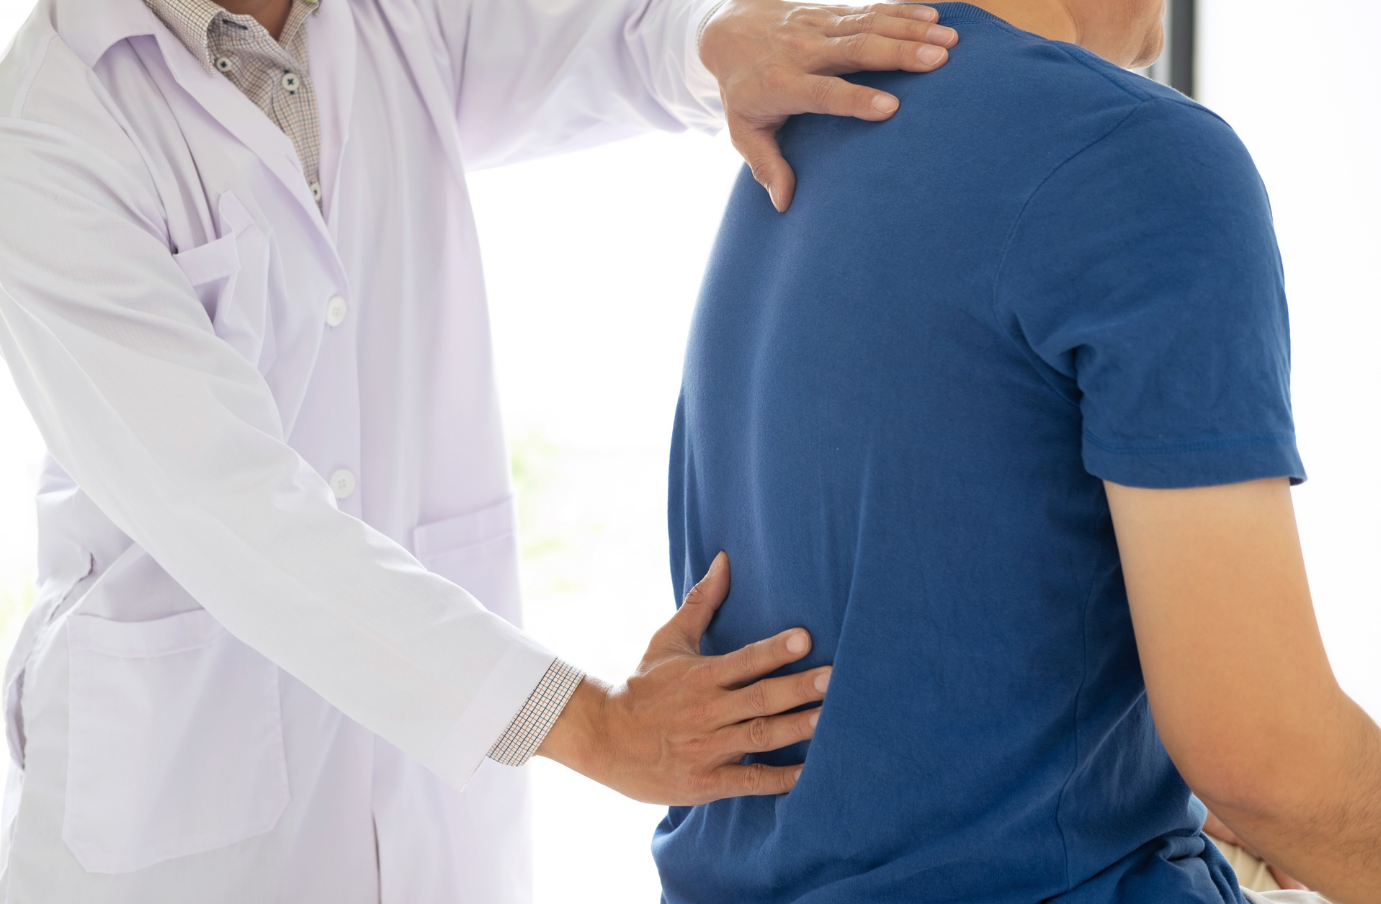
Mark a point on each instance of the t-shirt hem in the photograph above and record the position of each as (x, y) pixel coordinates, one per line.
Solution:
(1196, 464)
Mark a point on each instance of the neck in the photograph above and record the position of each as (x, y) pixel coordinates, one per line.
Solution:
(272, 14)
(1047, 18)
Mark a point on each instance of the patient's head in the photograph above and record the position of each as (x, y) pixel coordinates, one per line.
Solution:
(1125, 32)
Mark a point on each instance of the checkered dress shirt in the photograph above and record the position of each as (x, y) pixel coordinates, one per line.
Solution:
(275, 75)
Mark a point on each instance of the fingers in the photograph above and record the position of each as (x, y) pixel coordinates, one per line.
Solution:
(753, 780)
(748, 663)
(777, 695)
(866, 51)
(827, 94)
(873, 22)
(757, 143)
(1286, 882)
(688, 625)
(771, 733)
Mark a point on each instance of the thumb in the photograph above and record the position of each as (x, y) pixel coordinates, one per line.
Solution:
(757, 143)
(690, 622)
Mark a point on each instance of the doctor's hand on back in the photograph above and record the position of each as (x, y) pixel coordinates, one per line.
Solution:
(773, 60)
(674, 733)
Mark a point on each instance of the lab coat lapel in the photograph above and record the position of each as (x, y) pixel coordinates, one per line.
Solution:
(237, 113)
(415, 40)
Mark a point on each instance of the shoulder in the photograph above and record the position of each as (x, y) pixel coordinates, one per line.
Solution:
(23, 61)
(60, 122)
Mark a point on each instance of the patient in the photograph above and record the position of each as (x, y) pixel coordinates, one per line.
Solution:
(999, 411)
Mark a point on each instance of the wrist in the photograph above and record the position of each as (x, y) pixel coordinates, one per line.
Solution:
(579, 739)
(707, 33)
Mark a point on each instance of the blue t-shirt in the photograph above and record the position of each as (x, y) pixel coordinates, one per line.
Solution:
(900, 402)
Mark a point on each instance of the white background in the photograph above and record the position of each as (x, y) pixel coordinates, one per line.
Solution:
(593, 262)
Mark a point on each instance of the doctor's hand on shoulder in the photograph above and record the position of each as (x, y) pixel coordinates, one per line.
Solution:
(675, 732)
(774, 59)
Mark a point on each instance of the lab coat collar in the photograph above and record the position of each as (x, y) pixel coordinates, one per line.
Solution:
(91, 27)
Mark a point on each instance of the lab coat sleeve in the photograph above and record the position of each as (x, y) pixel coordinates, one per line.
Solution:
(537, 77)
(178, 440)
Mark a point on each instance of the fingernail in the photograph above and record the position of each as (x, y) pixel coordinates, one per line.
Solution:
(940, 34)
(924, 13)
(885, 103)
(822, 682)
(772, 196)
(798, 642)
(796, 777)
(930, 55)
(815, 718)
(716, 566)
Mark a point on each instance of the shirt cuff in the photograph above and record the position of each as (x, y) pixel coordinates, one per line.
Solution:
(544, 706)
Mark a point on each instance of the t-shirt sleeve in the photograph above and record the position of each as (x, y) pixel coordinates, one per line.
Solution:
(1143, 280)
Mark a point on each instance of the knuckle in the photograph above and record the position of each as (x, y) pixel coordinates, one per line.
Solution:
(699, 713)
(757, 698)
(694, 595)
(777, 78)
(823, 91)
(758, 732)
(797, 43)
(856, 47)
(754, 777)
(748, 659)
(695, 746)
(698, 785)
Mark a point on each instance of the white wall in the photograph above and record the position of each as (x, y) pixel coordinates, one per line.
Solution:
(1303, 89)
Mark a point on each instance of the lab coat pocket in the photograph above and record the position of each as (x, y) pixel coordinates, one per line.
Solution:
(478, 551)
(230, 277)
(175, 741)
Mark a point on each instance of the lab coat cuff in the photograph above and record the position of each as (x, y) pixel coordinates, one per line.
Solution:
(702, 84)
(502, 695)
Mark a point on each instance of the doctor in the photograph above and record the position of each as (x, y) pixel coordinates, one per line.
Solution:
(240, 292)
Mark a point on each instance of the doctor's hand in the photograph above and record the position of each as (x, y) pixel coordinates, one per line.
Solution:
(775, 58)
(676, 731)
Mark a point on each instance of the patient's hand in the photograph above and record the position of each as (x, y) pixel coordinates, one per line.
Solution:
(1218, 829)
(773, 59)
(676, 732)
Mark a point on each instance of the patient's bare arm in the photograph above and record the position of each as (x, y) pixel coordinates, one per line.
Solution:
(1239, 683)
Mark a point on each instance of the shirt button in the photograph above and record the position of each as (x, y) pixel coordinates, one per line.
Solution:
(342, 483)
(225, 64)
(290, 82)
(316, 191)
(336, 310)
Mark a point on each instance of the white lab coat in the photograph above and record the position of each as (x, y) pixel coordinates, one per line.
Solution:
(241, 681)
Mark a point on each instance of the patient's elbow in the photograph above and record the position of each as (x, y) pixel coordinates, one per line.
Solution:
(1276, 771)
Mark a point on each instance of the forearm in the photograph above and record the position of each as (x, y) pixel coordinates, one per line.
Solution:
(1319, 816)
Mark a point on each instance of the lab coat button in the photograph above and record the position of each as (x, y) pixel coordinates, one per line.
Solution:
(342, 483)
(290, 82)
(335, 311)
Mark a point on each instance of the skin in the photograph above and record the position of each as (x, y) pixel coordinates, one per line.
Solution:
(1240, 686)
